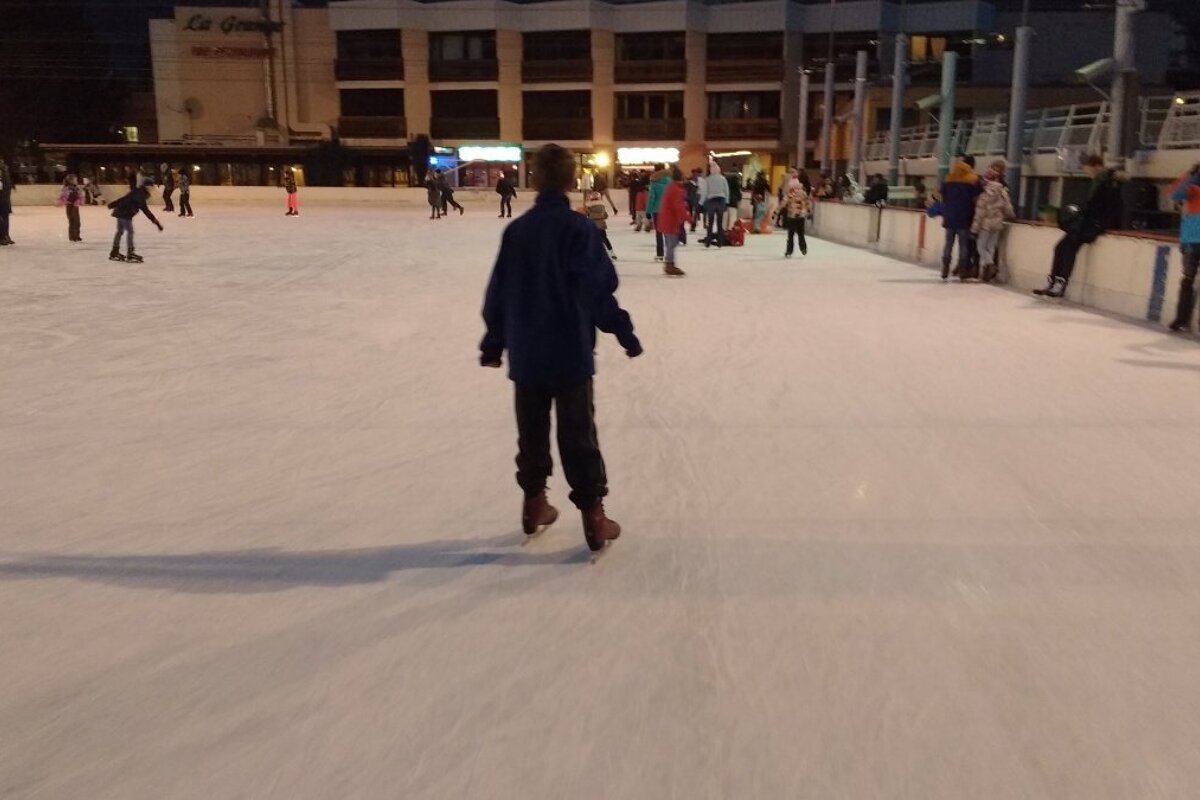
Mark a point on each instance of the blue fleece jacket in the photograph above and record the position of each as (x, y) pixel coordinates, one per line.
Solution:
(1187, 192)
(553, 285)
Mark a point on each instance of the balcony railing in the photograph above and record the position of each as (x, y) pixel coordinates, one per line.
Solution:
(654, 130)
(742, 129)
(742, 71)
(369, 69)
(558, 128)
(559, 71)
(481, 128)
(651, 71)
(487, 69)
(373, 127)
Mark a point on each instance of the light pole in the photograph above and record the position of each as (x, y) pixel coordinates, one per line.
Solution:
(802, 134)
(1018, 101)
(946, 120)
(827, 117)
(1123, 69)
(860, 89)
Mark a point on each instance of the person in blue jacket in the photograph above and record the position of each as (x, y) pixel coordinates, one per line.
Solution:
(1186, 192)
(958, 195)
(552, 286)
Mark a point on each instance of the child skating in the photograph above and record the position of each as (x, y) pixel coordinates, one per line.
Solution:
(597, 212)
(71, 197)
(551, 288)
(124, 209)
(293, 199)
(185, 194)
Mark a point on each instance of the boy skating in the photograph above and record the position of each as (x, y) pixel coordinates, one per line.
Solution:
(551, 288)
(293, 198)
(125, 209)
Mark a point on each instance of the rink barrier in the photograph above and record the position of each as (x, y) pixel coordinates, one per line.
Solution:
(47, 195)
(1130, 274)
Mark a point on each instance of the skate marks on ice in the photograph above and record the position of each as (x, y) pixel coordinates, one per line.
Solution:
(271, 570)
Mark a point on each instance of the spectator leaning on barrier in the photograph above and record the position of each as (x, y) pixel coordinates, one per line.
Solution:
(992, 210)
(877, 191)
(1186, 191)
(1101, 212)
(958, 195)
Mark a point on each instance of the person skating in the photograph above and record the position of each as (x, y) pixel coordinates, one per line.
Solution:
(168, 188)
(716, 195)
(447, 195)
(1101, 212)
(6, 190)
(551, 288)
(601, 185)
(597, 212)
(694, 204)
(185, 194)
(992, 210)
(506, 188)
(672, 215)
(433, 194)
(71, 197)
(1186, 192)
(639, 206)
(733, 206)
(293, 197)
(958, 195)
(124, 209)
(659, 181)
(796, 209)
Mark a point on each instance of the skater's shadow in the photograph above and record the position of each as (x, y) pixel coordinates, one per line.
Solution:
(1159, 364)
(269, 570)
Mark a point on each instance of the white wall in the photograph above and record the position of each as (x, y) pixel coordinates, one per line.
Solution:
(1117, 274)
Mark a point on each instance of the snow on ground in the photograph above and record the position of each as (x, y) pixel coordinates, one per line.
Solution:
(885, 538)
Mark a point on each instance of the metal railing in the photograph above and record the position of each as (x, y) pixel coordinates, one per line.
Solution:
(1165, 123)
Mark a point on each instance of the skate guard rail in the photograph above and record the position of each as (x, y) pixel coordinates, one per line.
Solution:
(1129, 273)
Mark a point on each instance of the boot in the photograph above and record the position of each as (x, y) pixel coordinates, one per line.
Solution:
(598, 529)
(134, 257)
(537, 513)
(115, 255)
(1045, 290)
(673, 271)
(945, 268)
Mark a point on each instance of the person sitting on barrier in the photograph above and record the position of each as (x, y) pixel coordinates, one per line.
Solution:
(1186, 191)
(992, 210)
(877, 191)
(958, 195)
(1101, 212)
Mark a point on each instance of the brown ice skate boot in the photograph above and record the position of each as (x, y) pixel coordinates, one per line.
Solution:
(537, 514)
(598, 529)
(672, 271)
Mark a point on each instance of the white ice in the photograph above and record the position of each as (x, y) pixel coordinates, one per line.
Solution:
(884, 537)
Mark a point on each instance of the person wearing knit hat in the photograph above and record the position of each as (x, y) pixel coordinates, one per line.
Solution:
(992, 209)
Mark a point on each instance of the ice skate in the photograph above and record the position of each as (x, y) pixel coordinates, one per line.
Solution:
(537, 514)
(115, 255)
(134, 257)
(1055, 287)
(672, 271)
(1179, 327)
(598, 529)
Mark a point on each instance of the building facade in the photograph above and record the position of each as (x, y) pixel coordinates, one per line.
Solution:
(607, 80)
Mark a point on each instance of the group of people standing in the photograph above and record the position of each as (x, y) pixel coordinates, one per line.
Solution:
(973, 211)
(440, 195)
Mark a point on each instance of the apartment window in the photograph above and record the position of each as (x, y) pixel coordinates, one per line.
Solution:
(557, 105)
(744, 46)
(651, 47)
(368, 45)
(477, 46)
(465, 104)
(557, 45)
(372, 102)
(743, 105)
(650, 105)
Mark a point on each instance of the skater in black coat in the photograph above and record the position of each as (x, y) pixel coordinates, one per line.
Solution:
(168, 188)
(433, 192)
(552, 286)
(124, 209)
(185, 194)
(506, 188)
(6, 190)
(447, 196)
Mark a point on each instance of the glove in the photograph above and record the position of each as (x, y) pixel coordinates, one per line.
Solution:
(634, 350)
(160, 228)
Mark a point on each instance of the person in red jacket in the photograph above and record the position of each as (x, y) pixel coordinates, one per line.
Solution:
(670, 219)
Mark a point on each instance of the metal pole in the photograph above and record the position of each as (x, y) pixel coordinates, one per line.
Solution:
(1123, 55)
(899, 81)
(1016, 111)
(802, 134)
(946, 120)
(827, 123)
(860, 98)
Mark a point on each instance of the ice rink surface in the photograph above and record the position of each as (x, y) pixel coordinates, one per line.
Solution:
(884, 537)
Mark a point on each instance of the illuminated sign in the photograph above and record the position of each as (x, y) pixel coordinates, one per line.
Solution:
(647, 155)
(508, 154)
(228, 25)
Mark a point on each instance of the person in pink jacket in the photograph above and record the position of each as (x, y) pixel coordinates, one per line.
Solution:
(71, 196)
